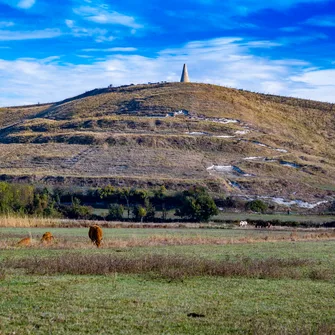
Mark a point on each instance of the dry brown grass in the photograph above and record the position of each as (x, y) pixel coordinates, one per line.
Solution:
(12, 115)
(104, 119)
(27, 222)
(168, 240)
(164, 240)
(173, 267)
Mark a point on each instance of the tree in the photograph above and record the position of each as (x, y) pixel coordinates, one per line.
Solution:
(160, 196)
(150, 210)
(115, 212)
(106, 192)
(197, 205)
(127, 193)
(76, 210)
(256, 206)
(139, 213)
(15, 198)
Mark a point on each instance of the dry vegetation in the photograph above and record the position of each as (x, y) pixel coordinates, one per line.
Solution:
(13, 115)
(60, 242)
(107, 134)
(173, 267)
(27, 222)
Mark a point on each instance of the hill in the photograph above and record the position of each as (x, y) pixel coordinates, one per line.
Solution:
(231, 141)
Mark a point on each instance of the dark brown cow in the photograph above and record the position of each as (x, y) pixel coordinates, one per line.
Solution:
(95, 234)
(261, 224)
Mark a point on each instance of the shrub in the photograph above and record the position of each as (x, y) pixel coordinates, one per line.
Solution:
(197, 205)
(139, 213)
(256, 206)
(77, 211)
(115, 212)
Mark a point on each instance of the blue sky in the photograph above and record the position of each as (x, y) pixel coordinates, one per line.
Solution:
(53, 50)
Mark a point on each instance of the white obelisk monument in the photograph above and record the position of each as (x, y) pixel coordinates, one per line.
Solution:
(184, 76)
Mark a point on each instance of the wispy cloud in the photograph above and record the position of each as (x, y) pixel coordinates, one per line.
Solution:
(103, 15)
(116, 49)
(321, 21)
(6, 24)
(26, 3)
(225, 61)
(300, 39)
(23, 4)
(8, 35)
(290, 29)
(262, 44)
(98, 34)
(245, 7)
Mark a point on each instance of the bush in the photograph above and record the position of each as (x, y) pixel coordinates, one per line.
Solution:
(256, 206)
(139, 213)
(115, 212)
(197, 205)
(77, 211)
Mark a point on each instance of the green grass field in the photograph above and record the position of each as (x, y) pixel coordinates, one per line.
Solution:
(269, 286)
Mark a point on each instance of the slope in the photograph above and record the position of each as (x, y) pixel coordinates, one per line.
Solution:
(177, 134)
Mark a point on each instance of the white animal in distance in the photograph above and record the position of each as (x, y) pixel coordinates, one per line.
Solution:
(243, 223)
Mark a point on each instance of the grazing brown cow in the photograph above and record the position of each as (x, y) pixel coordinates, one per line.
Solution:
(26, 242)
(95, 234)
(47, 237)
(261, 224)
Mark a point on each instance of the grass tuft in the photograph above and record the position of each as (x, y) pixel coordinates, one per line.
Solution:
(171, 267)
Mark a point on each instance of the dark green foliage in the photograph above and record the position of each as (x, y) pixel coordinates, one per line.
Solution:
(115, 212)
(150, 210)
(44, 205)
(256, 206)
(77, 211)
(197, 205)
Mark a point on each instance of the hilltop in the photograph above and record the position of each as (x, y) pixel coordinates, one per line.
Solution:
(232, 141)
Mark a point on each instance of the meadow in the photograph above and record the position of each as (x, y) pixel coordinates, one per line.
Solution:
(168, 281)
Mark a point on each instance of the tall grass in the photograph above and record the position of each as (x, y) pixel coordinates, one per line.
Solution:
(27, 222)
(173, 267)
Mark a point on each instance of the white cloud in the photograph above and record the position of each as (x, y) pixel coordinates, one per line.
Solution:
(102, 15)
(100, 35)
(6, 24)
(223, 61)
(299, 39)
(245, 7)
(9, 35)
(70, 23)
(25, 4)
(262, 44)
(116, 49)
(321, 21)
(290, 29)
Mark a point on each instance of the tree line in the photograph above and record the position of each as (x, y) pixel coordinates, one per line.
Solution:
(194, 204)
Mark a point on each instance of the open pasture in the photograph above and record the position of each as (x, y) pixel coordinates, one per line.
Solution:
(168, 281)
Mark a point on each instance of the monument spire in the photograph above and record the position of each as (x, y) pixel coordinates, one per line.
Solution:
(184, 77)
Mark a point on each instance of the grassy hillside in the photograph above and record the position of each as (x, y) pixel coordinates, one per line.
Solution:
(229, 140)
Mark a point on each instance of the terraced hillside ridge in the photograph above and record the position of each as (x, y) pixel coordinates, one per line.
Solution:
(231, 141)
